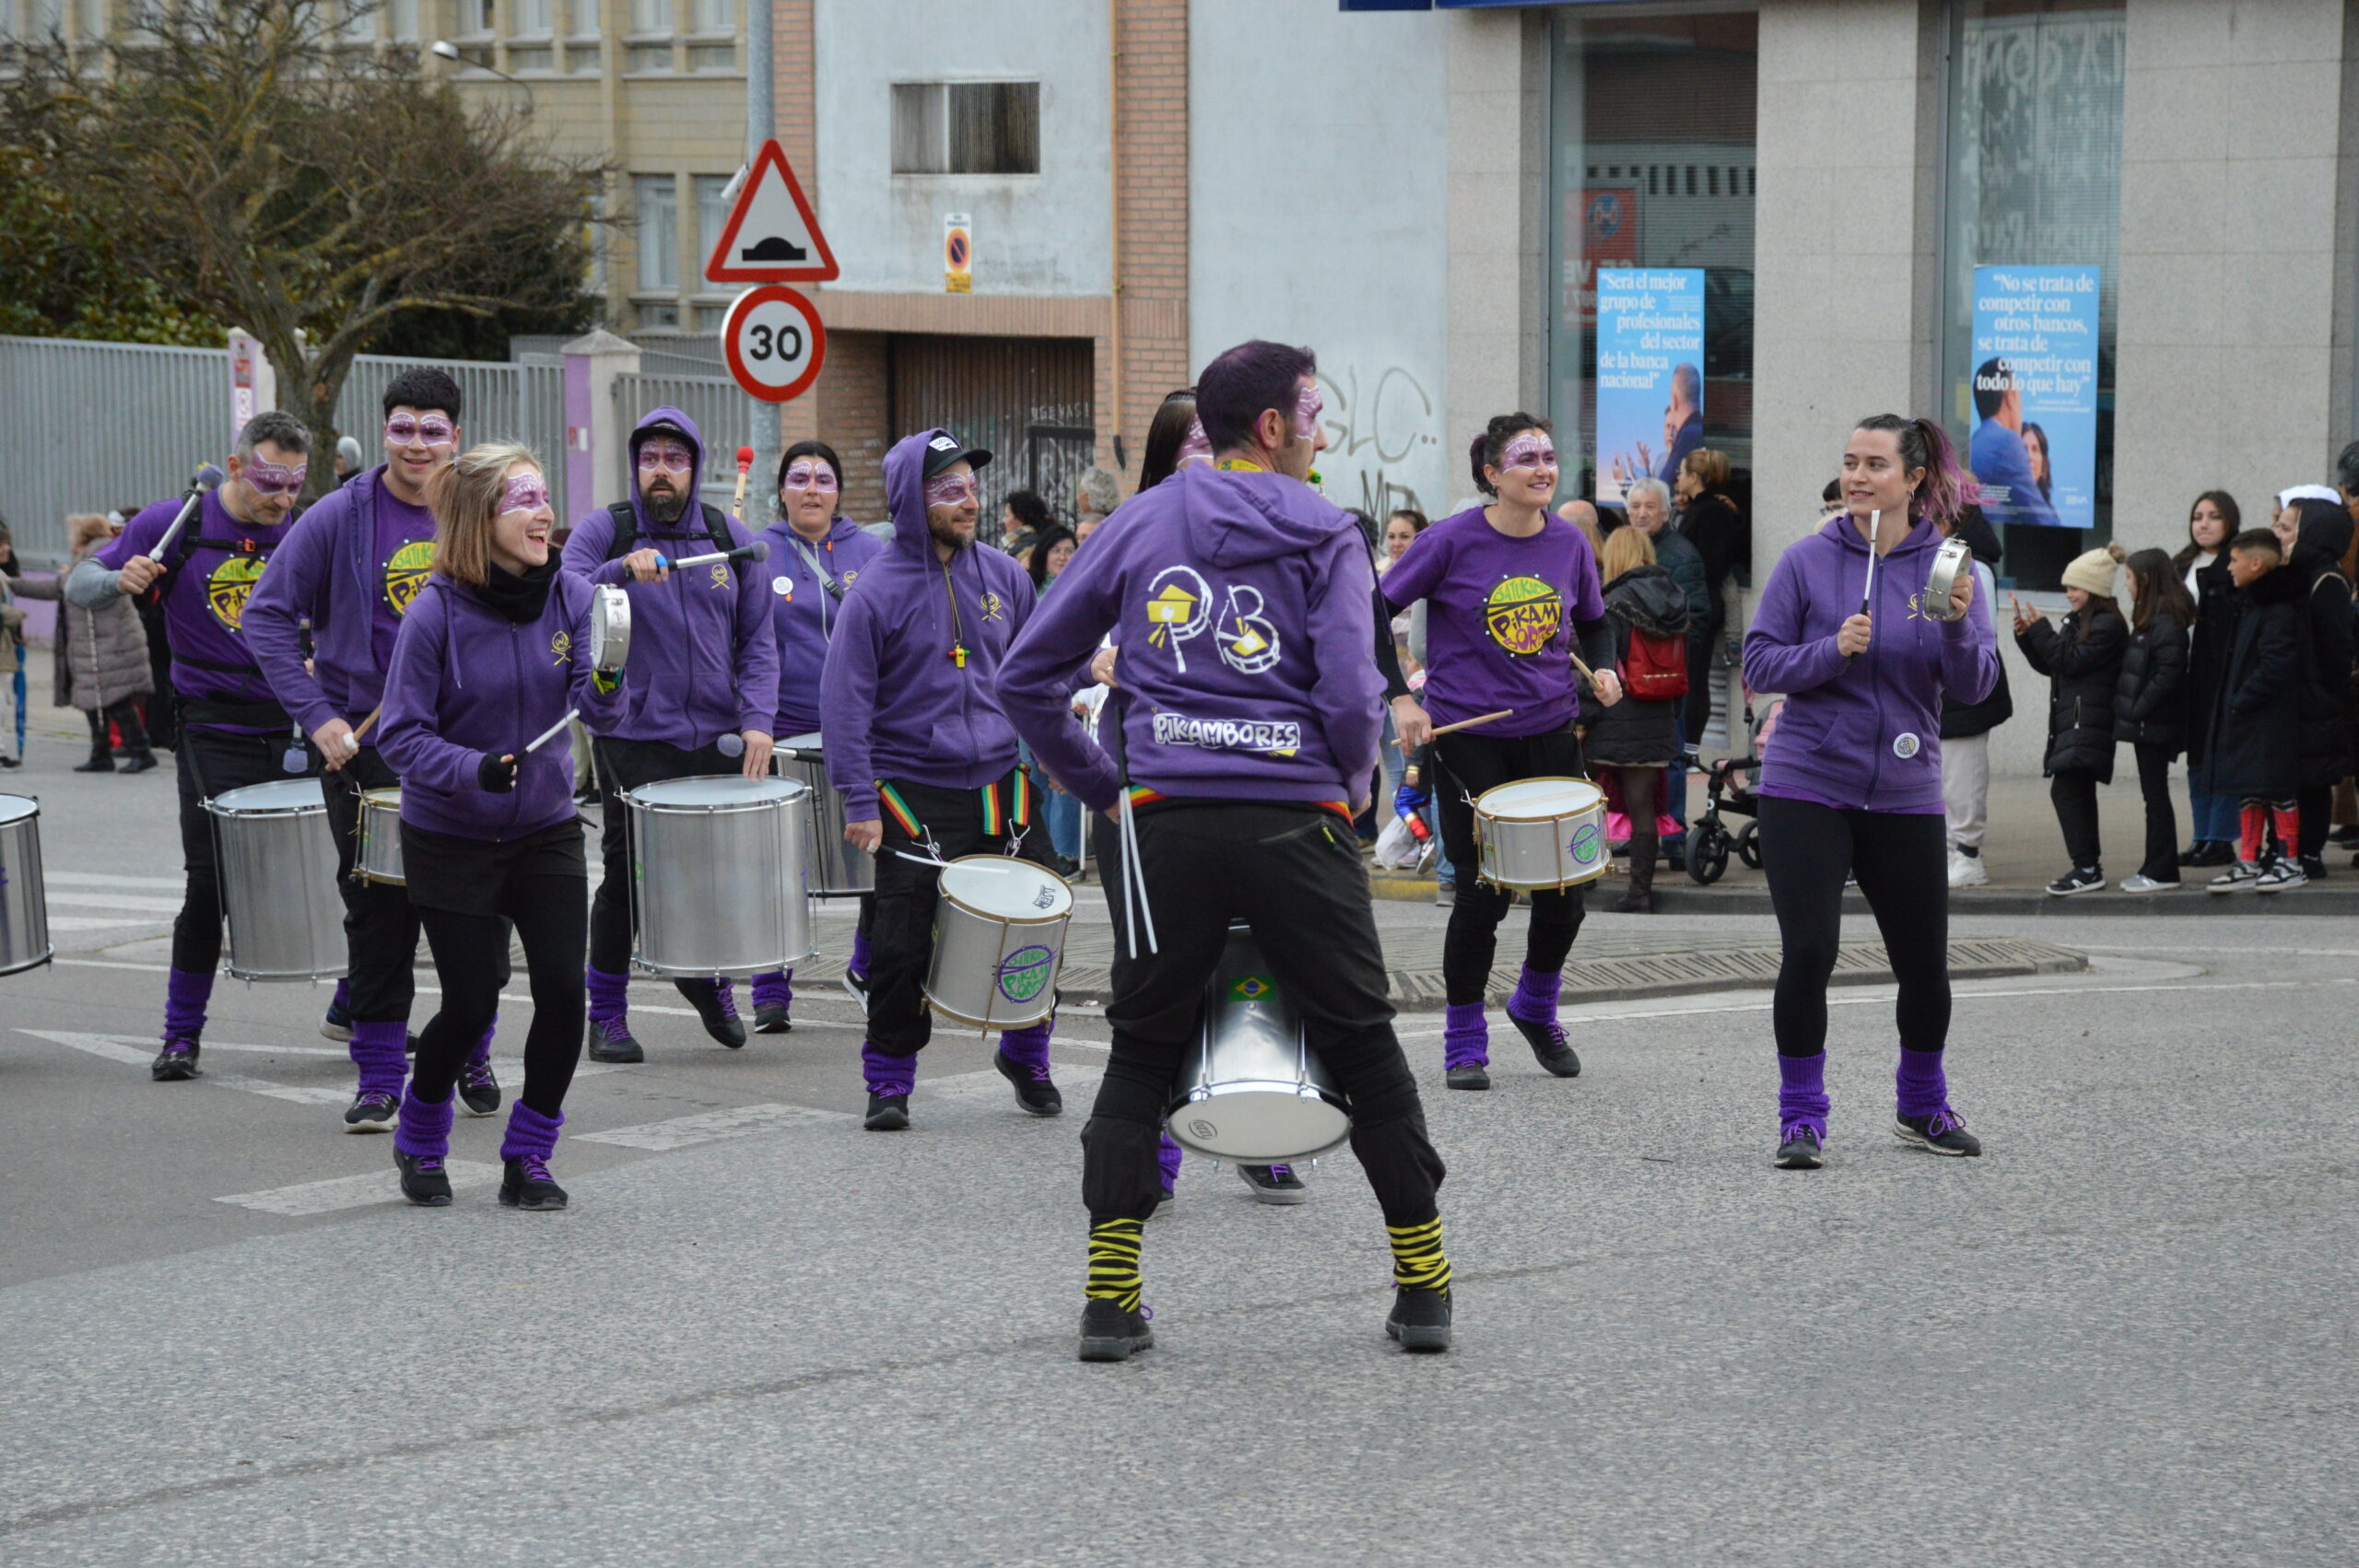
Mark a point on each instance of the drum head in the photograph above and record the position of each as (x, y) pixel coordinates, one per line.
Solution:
(810, 743)
(1007, 888)
(1539, 800)
(16, 808)
(719, 791)
(278, 795)
(384, 800)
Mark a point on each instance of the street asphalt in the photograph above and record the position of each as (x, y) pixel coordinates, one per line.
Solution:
(761, 1335)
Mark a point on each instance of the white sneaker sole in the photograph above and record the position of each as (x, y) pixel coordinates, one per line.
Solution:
(1917, 1139)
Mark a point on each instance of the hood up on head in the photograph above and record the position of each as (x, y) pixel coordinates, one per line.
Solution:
(905, 475)
(2321, 539)
(672, 422)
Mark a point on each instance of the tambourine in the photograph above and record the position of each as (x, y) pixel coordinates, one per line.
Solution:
(1953, 559)
(609, 627)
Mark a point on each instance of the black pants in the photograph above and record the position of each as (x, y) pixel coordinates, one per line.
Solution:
(1807, 849)
(2317, 806)
(2162, 817)
(900, 942)
(2074, 791)
(379, 928)
(212, 763)
(1294, 875)
(124, 712)
(551, 916)
(1696, 709)
(626, 765)
(1467, 764)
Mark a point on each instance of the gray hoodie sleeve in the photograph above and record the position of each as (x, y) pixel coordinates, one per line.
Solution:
(91, 586)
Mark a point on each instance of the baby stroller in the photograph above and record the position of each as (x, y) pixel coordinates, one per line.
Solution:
(1734, 788)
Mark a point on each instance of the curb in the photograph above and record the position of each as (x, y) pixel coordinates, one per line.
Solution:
(1684, 897)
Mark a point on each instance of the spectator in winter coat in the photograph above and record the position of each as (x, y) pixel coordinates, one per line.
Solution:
(2212, 521)
(1710, 519)
(1649, 501)
(2083, 663)
(1633, 742)
(102, 658)
(2149, 711)
(2322, 534)
(2254, 751)
(1966, 726)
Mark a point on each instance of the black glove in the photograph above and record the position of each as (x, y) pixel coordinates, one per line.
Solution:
(496, 774)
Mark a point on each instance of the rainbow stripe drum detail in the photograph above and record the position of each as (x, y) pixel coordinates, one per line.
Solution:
(1538, 833)
(999, 940)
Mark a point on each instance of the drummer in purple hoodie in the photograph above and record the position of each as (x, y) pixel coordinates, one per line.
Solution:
(699, 699)
(493, 653)
(1851, 781)
(1243, 606)
(922, 755)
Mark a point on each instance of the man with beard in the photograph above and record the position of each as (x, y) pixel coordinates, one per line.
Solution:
(698, 691)
(351, 567)
(923, 755)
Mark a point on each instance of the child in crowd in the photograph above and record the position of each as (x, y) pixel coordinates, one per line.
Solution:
(2082, 663)
(2255, 753)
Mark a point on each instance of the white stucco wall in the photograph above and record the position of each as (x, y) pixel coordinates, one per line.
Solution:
(1317, 176)
(1045, 233)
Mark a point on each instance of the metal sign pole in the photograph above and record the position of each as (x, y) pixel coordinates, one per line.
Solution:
(761, 122)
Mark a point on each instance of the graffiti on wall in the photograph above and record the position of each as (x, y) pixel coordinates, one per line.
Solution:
(1383, 430)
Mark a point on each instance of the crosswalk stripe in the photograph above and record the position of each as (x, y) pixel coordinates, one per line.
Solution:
(355, 1191)
(101, 879)
(708, 1126)
(114, 901)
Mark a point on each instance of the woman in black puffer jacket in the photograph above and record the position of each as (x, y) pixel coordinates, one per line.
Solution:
(2150, 706)
(1632, 743)
(2082, 663)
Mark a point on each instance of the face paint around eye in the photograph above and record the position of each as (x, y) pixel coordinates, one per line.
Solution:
(666, 456)
(1527, 452)
(524, 493)
(949, 489)
(811, 477)
(433, 431)
(1306, 407)
(1194, 444)
(271, 479)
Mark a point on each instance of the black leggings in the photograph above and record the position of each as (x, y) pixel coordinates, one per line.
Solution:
(1465, 764)
(552, 918)
(1807, 849)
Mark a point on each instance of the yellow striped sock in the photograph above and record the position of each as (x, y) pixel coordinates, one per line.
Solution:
(1114, 1263)
(1418, 1262)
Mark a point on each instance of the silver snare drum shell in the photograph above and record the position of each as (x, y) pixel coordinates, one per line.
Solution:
(1252, 1089)
(278, 859)
(24, 888)
(716, 867)
(1542, 833)
(999, 939)
(1954, 556)
(835, 869)
(378, 856)
(609, 627)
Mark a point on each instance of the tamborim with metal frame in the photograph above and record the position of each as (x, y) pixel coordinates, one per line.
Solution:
(378, 856)
(609, 627)
(717, 875)
(1954, 558)
(278, 893)
(1536, 834)
(1251, 1089)
(999, 939)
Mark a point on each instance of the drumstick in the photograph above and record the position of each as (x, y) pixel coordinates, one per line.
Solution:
(938, 865)
(1469, 723)
(1875, 526)
(551, 732)
(745, 468)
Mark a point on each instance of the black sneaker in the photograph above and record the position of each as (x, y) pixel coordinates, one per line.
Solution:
(526, 1184)
(1420, 1318)
(613, 1042)
(372, 1111)
(1942, 1132)
(1033, 1090)
(424, 1181)
(718, 1010)
(2313, 868)
(2208, 852)
(479, 1089)
(409, 1045)
(856, 988)
(1799, 1149)
(772, 1019)
(1109, 1333)
(1274, 1184)
(2344, 837)
(176, 1062)
(2080, 879)
(1547, 1040)
(2281, 873)
(888, 1113)
(1467, 1075)
(337, 1024)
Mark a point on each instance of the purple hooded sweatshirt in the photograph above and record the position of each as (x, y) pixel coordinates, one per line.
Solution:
(897, 704)
(1241, 602)
(351, 565)
(805, 613)
(205, 598)
(468, 683)
(703, 660)
(1865, 734)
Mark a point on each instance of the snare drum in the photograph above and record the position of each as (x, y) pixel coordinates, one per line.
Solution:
(999, 939)
(378, 857)
(1251, 1090)
(278, 859)
(717, 875)
(609, 627)
(836, 869)
(1537, 834)
(24, 896)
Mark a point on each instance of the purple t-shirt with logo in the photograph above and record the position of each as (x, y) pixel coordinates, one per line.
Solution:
(1498, 614)
(405, 556)
(204, 596)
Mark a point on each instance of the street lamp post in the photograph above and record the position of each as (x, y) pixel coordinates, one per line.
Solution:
(443, 49)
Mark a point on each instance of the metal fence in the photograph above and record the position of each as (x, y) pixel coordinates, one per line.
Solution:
(523, 402)
(716, 403)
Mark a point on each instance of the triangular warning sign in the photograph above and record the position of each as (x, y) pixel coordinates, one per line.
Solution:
(772, 235)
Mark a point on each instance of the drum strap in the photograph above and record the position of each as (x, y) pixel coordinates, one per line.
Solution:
(998, 819)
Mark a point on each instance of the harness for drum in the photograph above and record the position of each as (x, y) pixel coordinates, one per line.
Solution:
(996, 816)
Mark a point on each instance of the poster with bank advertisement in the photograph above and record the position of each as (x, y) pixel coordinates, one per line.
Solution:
(2034, 450)
(1649, 374)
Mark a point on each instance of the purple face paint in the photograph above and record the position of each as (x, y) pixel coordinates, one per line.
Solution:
(273, 479)
(524, 493)
(433, 431)
(1306, 407)
(949, 490)
(1529, 451)
(811, 477)
(673, 457)
(1196, 444)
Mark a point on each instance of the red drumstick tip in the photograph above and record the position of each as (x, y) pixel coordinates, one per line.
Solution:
(745, 459)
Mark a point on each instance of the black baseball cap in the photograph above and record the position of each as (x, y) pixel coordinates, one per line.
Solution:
(942, 449)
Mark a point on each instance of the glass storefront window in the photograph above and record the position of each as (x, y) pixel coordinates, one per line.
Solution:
(1652, 138)
(2034, 181)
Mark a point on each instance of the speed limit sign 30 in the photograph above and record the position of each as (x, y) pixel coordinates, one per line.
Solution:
(774, 342)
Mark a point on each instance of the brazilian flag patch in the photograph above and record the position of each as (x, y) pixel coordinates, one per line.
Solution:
(1252, 987)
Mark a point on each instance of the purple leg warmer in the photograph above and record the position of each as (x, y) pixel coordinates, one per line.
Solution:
(425, 1127)
(1029, 1047)
(1168, 1155)
(886, 1074)
(376, 1052)
(1801, 1093)
(858, 967)
(609, 995)
(1464, 1036)
(185, 993)
(1534, 1000)
(774, 989)
(529, 1133)
(1923, 1087)
(482, 1053)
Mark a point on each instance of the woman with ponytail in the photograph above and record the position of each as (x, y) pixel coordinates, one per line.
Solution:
(1851, 781)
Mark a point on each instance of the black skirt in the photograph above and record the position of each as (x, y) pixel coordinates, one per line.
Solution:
(474, 876)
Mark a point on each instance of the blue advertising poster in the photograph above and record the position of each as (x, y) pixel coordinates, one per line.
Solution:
(2034, 445)
(1649, 374)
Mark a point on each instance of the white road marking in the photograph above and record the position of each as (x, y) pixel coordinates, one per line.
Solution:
(101, 879)
(133, 1052)
(710, 1127)
(114, 901)
(310, 1197)
(98, 923)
